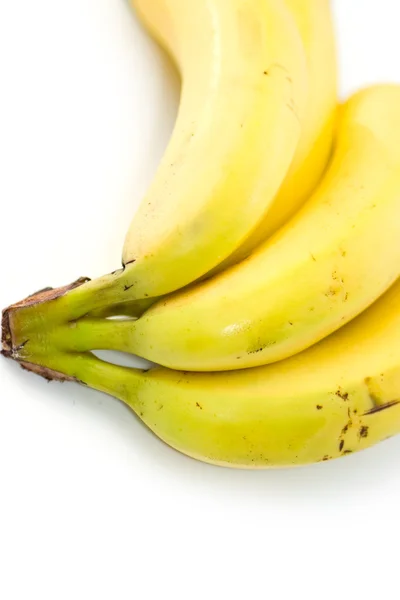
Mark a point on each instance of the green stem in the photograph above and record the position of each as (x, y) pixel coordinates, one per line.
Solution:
(116, 381)
(55, 306)
(49, 309)
(98, 295)
(94, 334)
(86, 369)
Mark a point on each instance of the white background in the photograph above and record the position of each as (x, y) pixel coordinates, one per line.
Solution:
(92, 505)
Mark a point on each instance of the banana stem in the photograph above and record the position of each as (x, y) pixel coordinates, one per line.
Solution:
(111, 294)
(50, 309)
(95, 334)
(116, 381)
(85, 369)
(36, 333)
(97, 295)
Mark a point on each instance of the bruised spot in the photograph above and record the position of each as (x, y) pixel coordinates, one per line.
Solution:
(343, 395)
(331, 292)
(364, 431)
(257, 350)
(127, 287)
(199, 406)
(319, 407)
(341, 445)
(262, 346)
(325, 458)
(348, 452)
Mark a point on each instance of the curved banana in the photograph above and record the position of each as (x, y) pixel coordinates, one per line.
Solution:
(336, 257)
(228, 157)
(338, 397)
(314, 21)
(244, 92)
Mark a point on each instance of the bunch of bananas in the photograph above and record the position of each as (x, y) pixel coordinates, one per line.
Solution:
(260, 270)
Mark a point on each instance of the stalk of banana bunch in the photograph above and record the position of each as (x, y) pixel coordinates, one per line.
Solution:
(338, 397)
(252, 138)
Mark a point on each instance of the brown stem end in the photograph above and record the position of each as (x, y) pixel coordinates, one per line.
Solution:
(46, 373)
(9, 350)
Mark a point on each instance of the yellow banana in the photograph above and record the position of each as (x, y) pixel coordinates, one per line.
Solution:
(245, 60)
(244, 91)
(338, 397)
(314, 21)
(331, 261)
(335, 258)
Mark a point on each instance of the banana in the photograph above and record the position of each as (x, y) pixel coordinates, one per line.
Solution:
(314, 21)
(241, 114)
(330, 262)
(244, 92)
(338, 397)
(245, 61)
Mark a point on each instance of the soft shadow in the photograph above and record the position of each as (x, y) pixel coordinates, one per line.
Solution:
(328, 481)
